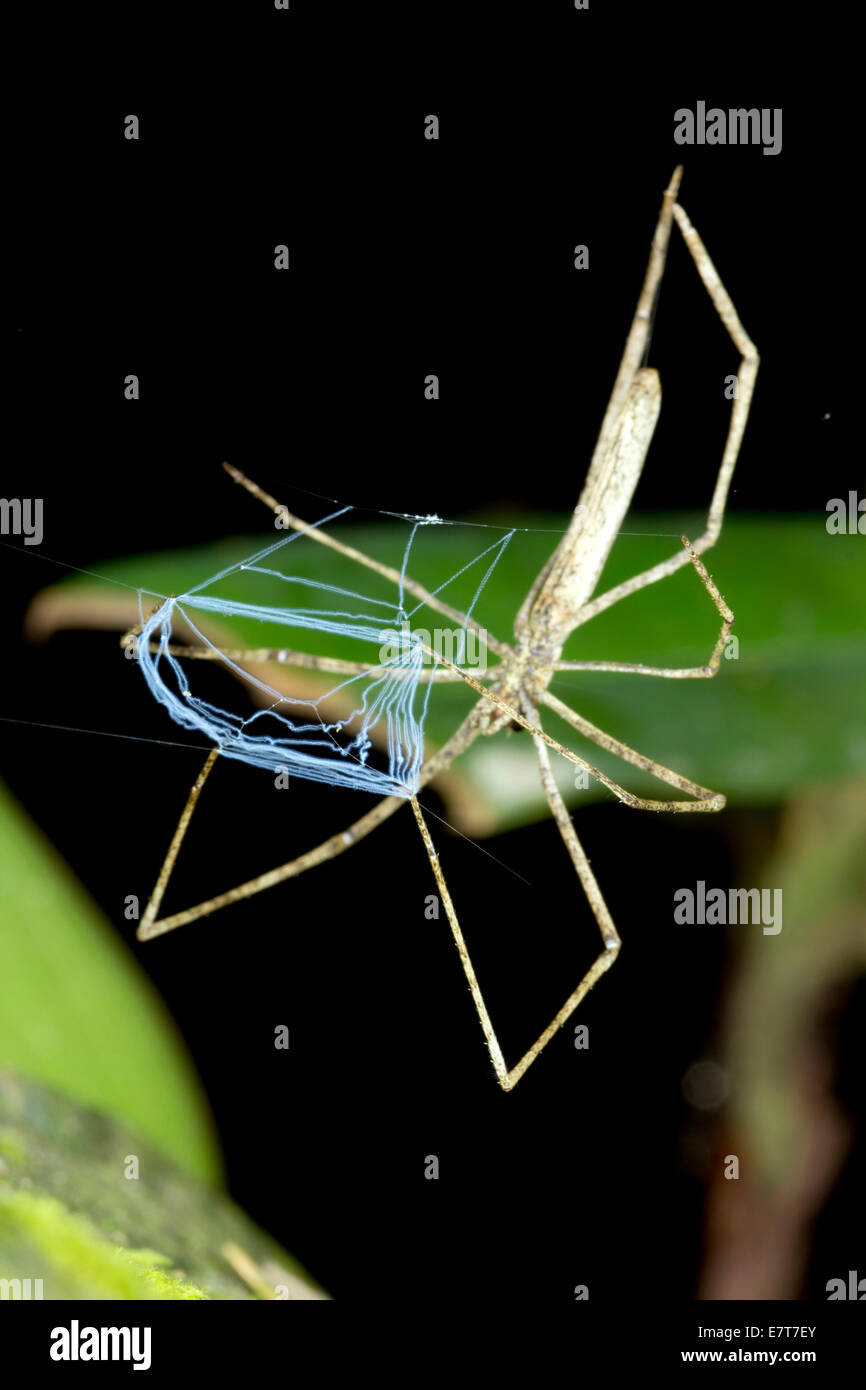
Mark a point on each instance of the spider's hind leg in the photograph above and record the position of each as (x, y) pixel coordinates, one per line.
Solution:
(611, 940)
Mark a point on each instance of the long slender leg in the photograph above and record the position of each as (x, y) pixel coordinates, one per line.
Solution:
(410, 586)
(706, 799)
(492, 1042)
(508, 1079)
(632, 359)
(146, 925)
(150, 926)
(285, 656)
(746, 375)
(672, 672)
(610, 936)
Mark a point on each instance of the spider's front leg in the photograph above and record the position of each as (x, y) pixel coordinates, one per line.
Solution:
(508, 1078)
(151, 925)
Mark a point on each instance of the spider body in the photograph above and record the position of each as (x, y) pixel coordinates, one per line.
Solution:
(553, 607)
(562, 598)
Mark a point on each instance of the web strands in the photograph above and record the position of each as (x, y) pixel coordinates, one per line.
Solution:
(315, 748)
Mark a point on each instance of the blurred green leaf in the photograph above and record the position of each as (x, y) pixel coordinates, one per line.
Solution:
(72, 1214)
(76, 1010)
(785, 714)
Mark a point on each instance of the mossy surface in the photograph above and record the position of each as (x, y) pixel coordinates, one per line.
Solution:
(73, 1215)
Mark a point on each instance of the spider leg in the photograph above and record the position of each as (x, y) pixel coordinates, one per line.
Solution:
(493, 1047)
(508, 1078)
(672, 672)
(151, 926)
(609, 934)
(705, 800)
(285, 656)
(748, 370)
(409, 585)
(632, 359)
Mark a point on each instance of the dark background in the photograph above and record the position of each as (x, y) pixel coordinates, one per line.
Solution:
(407, 257)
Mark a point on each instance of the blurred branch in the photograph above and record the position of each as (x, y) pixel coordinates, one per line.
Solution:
(784, 1122)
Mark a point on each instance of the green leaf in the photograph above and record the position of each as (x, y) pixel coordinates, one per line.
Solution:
(96, 1212)
(77, 1011)
(785, 714)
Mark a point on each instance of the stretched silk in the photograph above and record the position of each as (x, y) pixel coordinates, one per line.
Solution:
(290, 734)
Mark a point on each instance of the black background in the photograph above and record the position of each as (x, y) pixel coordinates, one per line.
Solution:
(407, 257)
